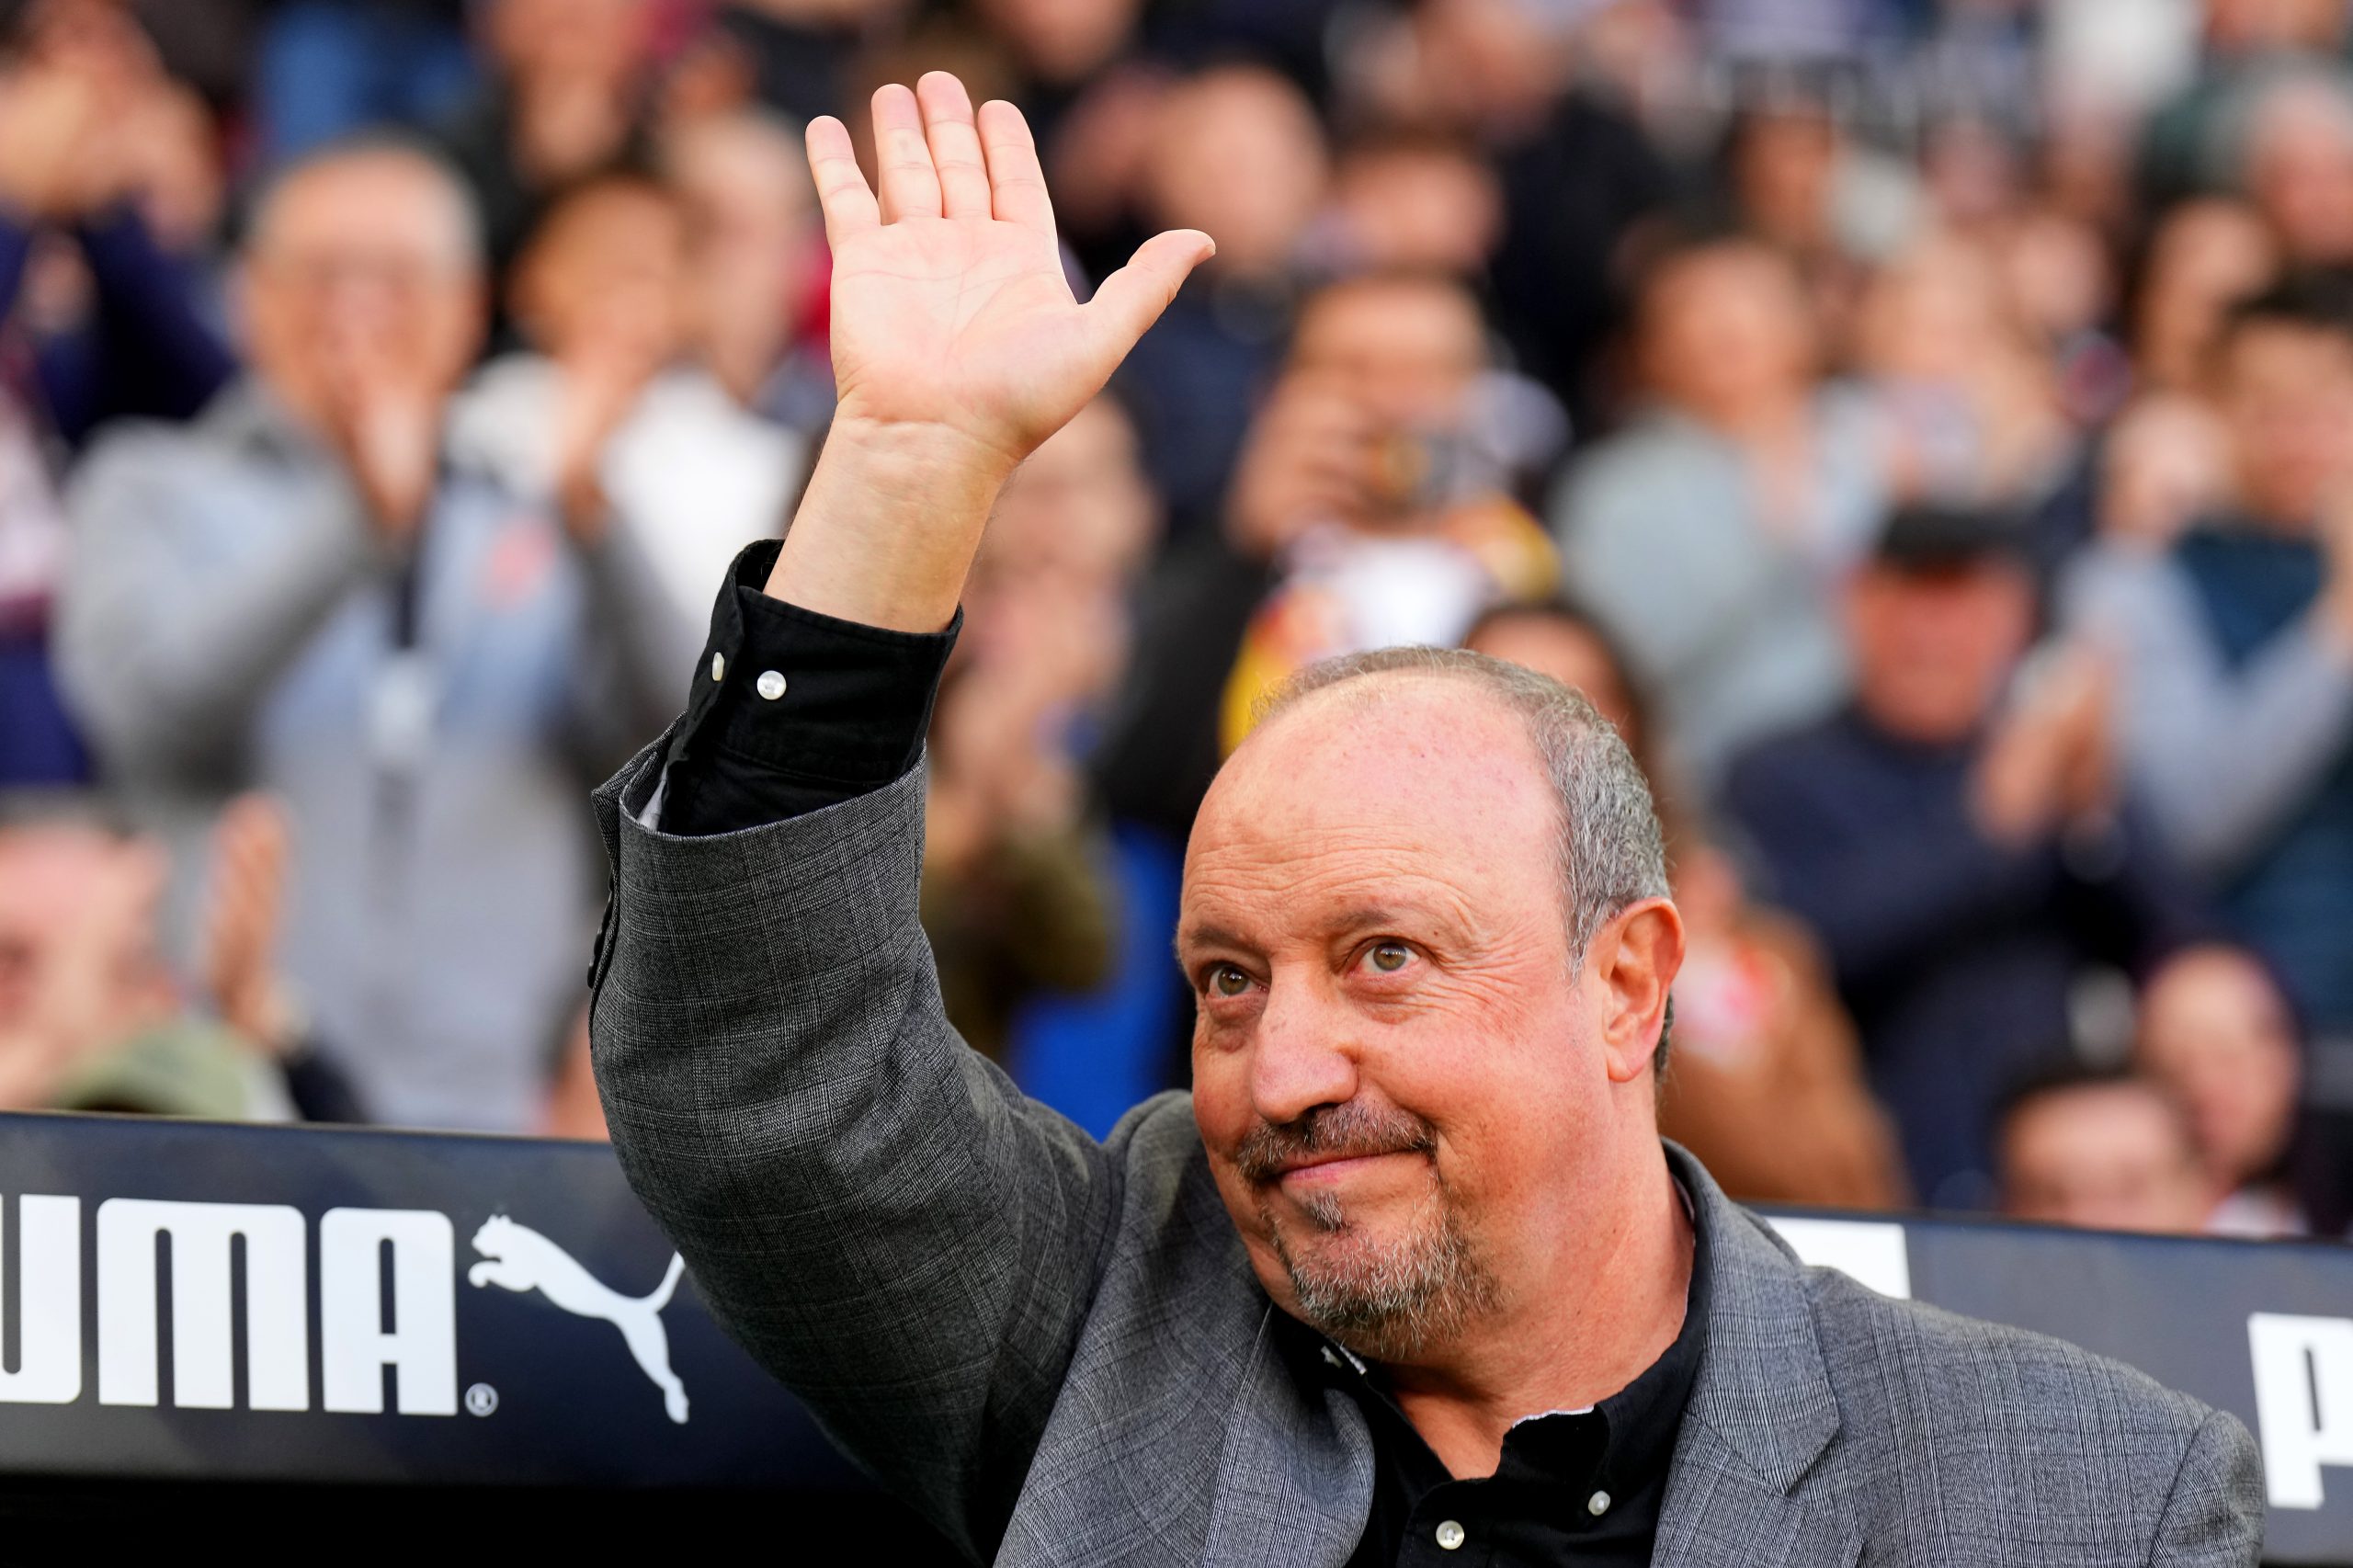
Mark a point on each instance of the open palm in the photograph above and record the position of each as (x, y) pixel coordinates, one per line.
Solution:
(950, 306)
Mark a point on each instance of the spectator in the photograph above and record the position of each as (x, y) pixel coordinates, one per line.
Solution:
(1766, 1081)
(1712, 532)
(757, 264)
(1234, 151)
(91, 1017)
(297, 593)
(1955, 839)
(567, 98)
(108, 316)
(2100, 1148)
(2236, 646)
(2298, 165)
(1391, 520)
(1018, 895)
(328, 68)
(2216, 1031)
(1967, 398)
(606, 421)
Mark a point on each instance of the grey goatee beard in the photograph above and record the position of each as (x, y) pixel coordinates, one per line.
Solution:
(1386, 1299)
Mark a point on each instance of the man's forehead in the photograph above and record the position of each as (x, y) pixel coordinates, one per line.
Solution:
(1419, 767)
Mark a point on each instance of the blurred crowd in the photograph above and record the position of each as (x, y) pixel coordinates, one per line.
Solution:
(1924, 426)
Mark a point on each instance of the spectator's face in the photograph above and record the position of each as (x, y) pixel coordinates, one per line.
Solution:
(1934, 649)
(2300, 170)
(1062, 40)
(1783, 168)
(744, 184)
(607, 274)
(1571, 654)
(1409, 351)
(1237, 153)
(1373, 921)
(362, 266)
(1725, 332)
(2216, 1033)
(2287, 393)
(72, 897)
(580, 41)
(1079, 511)
(2205, 255)
(2110, 1157)
(1419, 209)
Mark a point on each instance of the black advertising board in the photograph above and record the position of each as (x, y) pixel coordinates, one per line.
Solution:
(324, 1308)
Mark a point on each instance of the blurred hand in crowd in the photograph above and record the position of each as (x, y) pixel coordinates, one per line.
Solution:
(2166, 464)
(79, 972)
(362, 308)
(2048, 764)
(602, 290)
(243, 909)
(2105, 1152)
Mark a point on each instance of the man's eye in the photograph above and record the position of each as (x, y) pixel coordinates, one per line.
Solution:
(1227, 980)
(1389, 957)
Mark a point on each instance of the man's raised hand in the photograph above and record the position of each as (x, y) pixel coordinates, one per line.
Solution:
(958, 347)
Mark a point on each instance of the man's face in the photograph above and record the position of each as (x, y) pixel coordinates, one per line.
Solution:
(1397, 1070)
(2110, 1157)
(609, 275)
(1723, 330)
(2288, 397)
(2216, 1031)
(1409, 350)
(362, 268)
(1934, 648)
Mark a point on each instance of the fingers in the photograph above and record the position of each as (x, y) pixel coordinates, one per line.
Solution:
(842, 192)
(955, 146)
(906, 178)
(1017, 185)
(1131, 299)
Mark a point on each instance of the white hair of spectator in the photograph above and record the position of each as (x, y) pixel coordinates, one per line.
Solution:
(459, 221)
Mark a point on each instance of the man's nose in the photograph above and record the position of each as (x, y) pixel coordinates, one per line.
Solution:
(1303, 1057)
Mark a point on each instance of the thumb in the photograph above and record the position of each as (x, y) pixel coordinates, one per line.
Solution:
(1131, 299)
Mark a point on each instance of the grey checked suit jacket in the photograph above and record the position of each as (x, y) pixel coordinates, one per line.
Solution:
(1056, 1349)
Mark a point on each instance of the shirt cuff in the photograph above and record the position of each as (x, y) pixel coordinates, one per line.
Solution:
(791, 711)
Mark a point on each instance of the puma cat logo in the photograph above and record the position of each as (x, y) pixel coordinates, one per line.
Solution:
(517, 1258)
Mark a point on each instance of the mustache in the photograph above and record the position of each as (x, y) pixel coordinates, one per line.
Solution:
(1331, 1132)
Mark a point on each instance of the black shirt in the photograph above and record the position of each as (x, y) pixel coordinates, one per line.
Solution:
(845, 714)
(1572, 1487)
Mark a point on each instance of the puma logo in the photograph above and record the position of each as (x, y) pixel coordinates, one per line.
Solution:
(517, 1258)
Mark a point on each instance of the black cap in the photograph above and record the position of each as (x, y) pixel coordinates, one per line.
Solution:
(1931, 537)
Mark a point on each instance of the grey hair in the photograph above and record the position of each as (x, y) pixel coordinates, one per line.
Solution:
(1611, 850)
(466, 246)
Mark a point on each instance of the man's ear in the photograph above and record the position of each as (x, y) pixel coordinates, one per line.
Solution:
(1635, 957)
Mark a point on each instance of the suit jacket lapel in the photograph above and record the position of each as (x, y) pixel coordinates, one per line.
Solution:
(1761, 1413)
(1295, 1481)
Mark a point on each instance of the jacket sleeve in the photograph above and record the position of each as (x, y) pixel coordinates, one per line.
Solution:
(2214, 1516)
(868, 1205)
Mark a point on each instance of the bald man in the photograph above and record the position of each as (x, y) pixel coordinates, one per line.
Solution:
(1409, 1277)
(298, 593)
